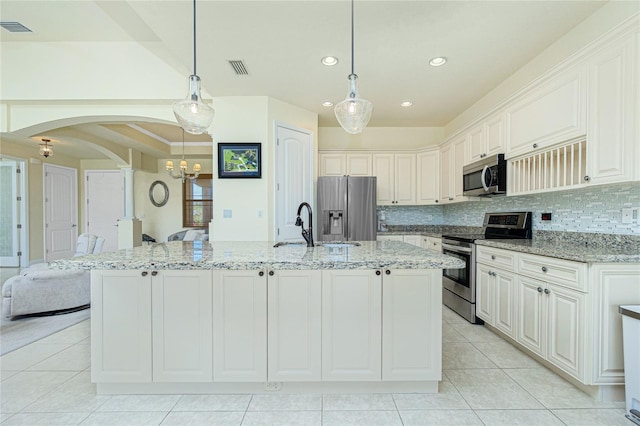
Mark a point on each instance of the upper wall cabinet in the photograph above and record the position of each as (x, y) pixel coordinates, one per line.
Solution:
(453, 157)
(486, 139)
(428, 172)
(341, 164)
(614, 94)
(396, 178)
(553, 112)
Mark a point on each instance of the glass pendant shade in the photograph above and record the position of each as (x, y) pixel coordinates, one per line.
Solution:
(353, 113)
(46, 151)
(193, 115)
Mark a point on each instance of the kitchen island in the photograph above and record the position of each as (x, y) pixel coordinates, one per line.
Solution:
(200, 317)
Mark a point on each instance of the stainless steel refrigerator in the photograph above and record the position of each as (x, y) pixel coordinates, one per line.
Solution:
(347, 208)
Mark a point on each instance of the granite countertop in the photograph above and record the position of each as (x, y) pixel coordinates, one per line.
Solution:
(258, 255)
(579, 251)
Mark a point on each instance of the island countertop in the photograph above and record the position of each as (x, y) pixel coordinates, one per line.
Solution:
(177, 255)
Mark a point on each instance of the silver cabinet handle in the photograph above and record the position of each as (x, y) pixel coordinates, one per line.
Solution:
(544, 269)
(535, 145)
(145, 273)
(493, 257)
(546, 291)
(539, 289)
(154, 273)
(587, 178)
(261, 274)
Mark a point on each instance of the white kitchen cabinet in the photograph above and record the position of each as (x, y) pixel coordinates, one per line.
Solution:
(239, 326)
(359, 164)
(551, 323)
(614, 284)
(432, 243)
(415, 240)
(460, 156)
(351, 325)
(182, 326)
(484, 294)
(396, 178)
(453, 157)
(486, 139)
(496, 293)
(612, 147)
(446, 173)
(428, 177)
(389, 237)
(294, 321)
(411, 340)
(551, 113)
(332, 164)
(121, 327)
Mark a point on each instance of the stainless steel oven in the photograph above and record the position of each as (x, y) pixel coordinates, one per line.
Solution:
(459, 285)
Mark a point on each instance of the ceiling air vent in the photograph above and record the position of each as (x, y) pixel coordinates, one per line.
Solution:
(239, 68)
(14, 27)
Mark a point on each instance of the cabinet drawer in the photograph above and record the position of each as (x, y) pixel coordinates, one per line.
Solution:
(496, 257)
(562, 272)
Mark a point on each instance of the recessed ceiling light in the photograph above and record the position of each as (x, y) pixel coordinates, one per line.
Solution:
(327, 104)
(406, 104)
(329, 61)
(437, 61)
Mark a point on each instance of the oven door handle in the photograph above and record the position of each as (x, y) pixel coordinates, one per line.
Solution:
(456, 248)
(483, 179)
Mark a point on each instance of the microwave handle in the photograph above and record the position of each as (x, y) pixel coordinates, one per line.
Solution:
(482, 179)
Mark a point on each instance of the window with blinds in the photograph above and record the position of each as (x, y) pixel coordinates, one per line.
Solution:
(197, 201)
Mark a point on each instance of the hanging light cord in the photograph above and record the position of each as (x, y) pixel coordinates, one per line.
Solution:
(352, 48)
(194, 37)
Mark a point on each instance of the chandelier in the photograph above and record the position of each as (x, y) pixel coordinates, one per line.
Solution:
(353, 113)
(193, 115)
(182, 172)
(46, 150)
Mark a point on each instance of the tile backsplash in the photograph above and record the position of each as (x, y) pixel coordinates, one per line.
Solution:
(595, 209)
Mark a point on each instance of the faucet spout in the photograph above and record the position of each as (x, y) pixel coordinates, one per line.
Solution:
(307, 234)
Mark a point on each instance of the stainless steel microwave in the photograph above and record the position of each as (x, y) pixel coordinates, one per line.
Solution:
(485, 177)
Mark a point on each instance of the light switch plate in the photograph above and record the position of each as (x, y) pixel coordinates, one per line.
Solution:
(227, 213)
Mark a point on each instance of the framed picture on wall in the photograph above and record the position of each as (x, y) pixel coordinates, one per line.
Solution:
(239, 160)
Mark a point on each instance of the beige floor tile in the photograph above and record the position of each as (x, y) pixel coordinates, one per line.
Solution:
(74, 358)
(213, 403)
(505, 355)
(71, 335)
(5, 374)
(29, 355)
(475, 332)
(45, 419)
(276, 402)
(462, 356)
(451, 317)
(593, 417)
(358, 402)
(24, 388)
(518, 417)
(282, 418)
(361, 418)
(77, 395)
(446, 398)
(153, 418)
(449, 334)
(439, 418)
(140, 403)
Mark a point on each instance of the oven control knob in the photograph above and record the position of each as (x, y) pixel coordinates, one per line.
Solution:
(544, 269)
(539, 289)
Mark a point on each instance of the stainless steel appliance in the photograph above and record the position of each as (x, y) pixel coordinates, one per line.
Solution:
(346, 208)
(485, 177)
(459, 285)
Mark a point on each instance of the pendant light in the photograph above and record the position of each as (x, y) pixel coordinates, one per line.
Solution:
(46, 150)
(353, 113)
(183, 167)
(193, 115)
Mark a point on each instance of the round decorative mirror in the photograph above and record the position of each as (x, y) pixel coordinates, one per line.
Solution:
(159, 193)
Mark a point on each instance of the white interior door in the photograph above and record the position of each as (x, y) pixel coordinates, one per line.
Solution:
(104, 196)
(60, 212)
(12, 213)
(294, 179)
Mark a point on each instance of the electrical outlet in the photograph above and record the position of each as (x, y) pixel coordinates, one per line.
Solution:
(227, 213)
(627, 215)
(273, 386)
(429, 218)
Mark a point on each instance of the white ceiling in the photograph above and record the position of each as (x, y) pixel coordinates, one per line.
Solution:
(281, 44)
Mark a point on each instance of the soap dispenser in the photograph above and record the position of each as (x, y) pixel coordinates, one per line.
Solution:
(382, 225)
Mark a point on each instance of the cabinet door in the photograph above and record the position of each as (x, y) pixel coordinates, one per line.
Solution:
(476, 141)
(460, 159)
(351, 325)
(428, 177)
(359, 165)
(411, 326)
(413, 240)
(239, 326)
(549, 114)
(531, 331)
(389, 238)
(332, 164)
(294, 313)
(484, 294)
(505, 299)
(565, 325)
(182, 326)
(405, 179)
(383, 170)
(120, 327)
(494, 135)
(613, 110)
(446, 174)
(613, 285)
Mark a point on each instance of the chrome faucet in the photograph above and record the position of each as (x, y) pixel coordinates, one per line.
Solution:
(307, 234)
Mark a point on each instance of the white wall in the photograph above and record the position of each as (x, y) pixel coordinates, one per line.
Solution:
(380, 138)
